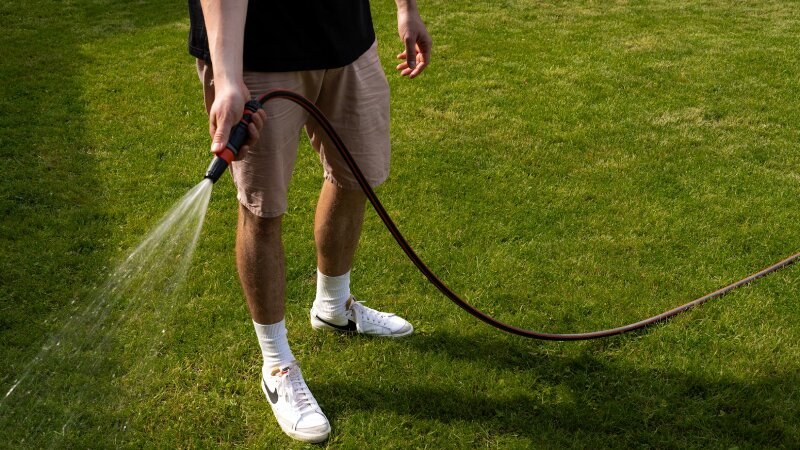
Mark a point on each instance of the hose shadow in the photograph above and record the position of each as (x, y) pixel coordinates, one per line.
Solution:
(502, 350)
(557, 401)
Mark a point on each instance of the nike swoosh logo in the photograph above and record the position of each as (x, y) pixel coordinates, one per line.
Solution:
(350, 327)
(272, 395)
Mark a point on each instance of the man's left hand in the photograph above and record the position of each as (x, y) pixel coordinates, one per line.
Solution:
(417, 54)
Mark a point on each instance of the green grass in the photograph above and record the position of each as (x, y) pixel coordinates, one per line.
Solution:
(567, 166)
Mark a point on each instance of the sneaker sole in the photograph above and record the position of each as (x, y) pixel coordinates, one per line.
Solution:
(315, 438)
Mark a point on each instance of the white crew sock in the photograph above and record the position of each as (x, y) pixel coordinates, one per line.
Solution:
(332, 296)
(274, 345)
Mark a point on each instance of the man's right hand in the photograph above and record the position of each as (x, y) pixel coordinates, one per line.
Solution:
(225, 113)
(225, 21)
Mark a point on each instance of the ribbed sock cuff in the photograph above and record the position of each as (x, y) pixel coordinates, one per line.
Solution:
(332, 295)
(274, 344)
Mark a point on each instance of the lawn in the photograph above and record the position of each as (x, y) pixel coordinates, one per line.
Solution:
(565, 166)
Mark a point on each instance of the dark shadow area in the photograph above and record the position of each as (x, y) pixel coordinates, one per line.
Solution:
(498, 349)
(51, 217)
(578, 400)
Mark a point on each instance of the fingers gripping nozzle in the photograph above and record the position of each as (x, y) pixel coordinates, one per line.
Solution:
(238, 137)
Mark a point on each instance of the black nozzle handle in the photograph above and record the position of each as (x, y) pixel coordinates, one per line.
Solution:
(238, 136)
(239, 133)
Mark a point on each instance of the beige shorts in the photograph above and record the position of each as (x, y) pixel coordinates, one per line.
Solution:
(355, 98)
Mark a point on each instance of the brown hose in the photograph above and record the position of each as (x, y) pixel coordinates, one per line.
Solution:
(373, 199)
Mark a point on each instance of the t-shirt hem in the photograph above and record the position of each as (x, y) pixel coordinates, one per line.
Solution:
(311, 63)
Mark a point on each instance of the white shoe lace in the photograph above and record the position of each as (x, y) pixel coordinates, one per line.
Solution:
(294, 388)
(369, 314)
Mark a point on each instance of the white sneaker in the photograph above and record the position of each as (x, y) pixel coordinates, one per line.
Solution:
(363, 320)
(297, 411)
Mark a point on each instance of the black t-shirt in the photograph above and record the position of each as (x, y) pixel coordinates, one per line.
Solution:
(288, 35)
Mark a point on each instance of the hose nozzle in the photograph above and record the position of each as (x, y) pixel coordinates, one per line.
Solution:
(238, 136)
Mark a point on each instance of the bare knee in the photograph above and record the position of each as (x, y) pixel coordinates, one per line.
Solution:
(259, 227)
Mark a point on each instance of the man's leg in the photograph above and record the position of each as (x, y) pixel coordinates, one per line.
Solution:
(262, 271)
(356, 100)
(337, 228)
(262, 266)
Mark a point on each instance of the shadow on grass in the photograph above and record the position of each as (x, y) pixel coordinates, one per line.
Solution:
(583, 400)
(51, 221)
(51, 224)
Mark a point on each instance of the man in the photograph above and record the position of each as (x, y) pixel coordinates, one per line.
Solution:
(326, 51)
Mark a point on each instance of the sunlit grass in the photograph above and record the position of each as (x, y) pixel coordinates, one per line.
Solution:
(567, 166)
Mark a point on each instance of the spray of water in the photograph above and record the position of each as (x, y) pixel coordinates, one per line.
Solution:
(70, 383)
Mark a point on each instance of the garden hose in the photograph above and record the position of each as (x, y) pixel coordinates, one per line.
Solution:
(239, 134)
